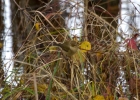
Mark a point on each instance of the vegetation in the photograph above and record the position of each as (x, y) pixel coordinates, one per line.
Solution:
(45, 71)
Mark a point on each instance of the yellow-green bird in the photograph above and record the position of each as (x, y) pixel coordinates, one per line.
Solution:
(74, 50)
(69, 47)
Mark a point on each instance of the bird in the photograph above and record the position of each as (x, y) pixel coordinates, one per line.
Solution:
(69, 47)
(74, 50)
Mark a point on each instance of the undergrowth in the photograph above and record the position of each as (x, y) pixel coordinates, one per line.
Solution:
(41, 72)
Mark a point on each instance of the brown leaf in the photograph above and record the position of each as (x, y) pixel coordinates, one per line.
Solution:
(123, 98)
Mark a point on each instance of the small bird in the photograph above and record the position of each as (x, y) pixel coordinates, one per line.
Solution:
(131, 43)
(74, 50)
(69, 47)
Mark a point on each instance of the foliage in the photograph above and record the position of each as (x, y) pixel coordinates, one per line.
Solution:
(44, 71)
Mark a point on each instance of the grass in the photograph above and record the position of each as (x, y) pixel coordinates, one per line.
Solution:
(51, 75)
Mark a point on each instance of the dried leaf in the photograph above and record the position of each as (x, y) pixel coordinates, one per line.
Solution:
(110, 97)
(85, 46)
(99, 97)
(52, 48)
(42, 88)
(123, 98)
(1, 45)
(37, 26)
(131, 43)
(99, 55)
